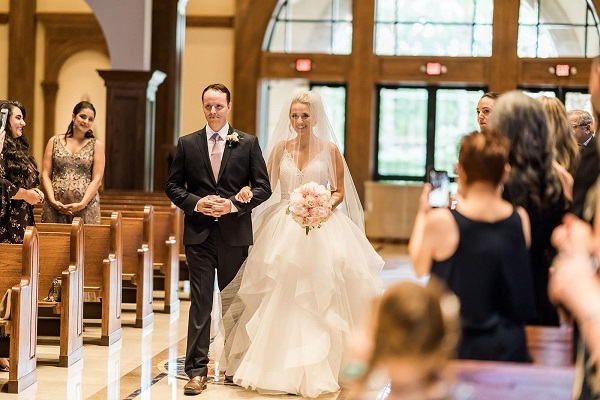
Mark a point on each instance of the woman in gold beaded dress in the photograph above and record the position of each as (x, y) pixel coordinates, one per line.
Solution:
(72, 172)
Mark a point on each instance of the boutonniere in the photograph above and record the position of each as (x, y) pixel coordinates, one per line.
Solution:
(233, 139)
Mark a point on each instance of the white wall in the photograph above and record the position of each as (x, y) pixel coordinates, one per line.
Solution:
(36, 137)
(207, 58)
(211, 7)
(79, 80)
(3, 61)
(63, 6)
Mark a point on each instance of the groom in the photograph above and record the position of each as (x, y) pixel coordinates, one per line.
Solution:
(210, 167)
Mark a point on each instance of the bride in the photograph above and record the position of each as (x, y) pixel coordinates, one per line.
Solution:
(299, 293)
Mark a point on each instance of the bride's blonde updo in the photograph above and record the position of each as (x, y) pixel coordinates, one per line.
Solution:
(312, 100)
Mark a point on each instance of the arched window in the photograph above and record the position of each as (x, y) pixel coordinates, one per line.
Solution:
(557, 28)
(455, 28)
(311, 26)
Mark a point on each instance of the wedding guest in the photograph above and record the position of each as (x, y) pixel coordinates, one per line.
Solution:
(566, 151)
(589, 167)
(582, 126)
(412, 336)
(484, 109)
(479, 250)
(533, 184)
(575, 285)
(19, 179)
(72, 172)
(302, 290)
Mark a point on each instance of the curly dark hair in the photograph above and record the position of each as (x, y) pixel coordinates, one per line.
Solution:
(78, 107)
(16, 150)
(523, 121)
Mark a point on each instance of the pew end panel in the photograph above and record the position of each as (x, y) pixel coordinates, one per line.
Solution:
(138, 234)
(62, 256)
(20, 272)
(103, 259)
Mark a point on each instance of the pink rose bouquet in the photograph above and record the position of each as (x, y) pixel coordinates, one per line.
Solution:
(310, 205)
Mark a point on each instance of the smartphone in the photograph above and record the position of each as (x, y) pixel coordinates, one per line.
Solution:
(4, 114)
(440, 188)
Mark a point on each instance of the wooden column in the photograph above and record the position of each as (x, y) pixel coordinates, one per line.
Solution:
(360, 103)
(251, 21)
(168, 38)
(130, 112)
(504, 63)
(50, 89)
(21, 64)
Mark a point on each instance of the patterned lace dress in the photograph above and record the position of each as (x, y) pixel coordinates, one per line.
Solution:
(15, 215)
(71, 175)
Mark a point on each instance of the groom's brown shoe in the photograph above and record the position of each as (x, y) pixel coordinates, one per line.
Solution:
(195, 386)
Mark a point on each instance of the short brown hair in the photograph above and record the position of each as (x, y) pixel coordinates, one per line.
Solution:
(484, 156)
(491, 95)
(218, 87)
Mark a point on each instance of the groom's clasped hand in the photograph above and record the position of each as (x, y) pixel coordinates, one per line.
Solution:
(216, 206)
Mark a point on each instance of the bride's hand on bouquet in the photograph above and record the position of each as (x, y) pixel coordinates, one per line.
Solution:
(244, 195)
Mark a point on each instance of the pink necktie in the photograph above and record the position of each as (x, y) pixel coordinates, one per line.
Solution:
(215, 155)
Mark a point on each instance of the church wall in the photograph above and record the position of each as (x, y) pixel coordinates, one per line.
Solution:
(207, 58)
(78, 80)
(3, 60)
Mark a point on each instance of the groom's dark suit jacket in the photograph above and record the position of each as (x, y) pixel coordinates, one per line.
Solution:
(191, 178)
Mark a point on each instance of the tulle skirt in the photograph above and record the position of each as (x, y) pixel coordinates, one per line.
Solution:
(298, 298)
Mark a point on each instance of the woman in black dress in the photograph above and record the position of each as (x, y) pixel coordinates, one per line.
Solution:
(480, 251)
(533, 184)
(19, 178)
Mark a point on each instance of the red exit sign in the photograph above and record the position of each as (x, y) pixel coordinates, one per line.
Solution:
(563, 70)
(303, 64)
(433, 68)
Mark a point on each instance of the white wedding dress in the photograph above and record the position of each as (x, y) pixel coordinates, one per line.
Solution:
(302, 296)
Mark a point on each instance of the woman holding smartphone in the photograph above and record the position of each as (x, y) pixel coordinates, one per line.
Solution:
(480, 251)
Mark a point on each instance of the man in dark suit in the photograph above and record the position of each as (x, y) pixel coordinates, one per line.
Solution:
(589, 167)
(209, 169)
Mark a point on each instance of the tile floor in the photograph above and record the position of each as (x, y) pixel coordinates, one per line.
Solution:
(144, 364)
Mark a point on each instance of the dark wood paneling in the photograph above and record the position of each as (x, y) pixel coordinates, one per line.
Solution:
(21, 58)
(50, 90)
(535, 71)
(127, 122)
(168, 33)
(203, 21)
(325, 67)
